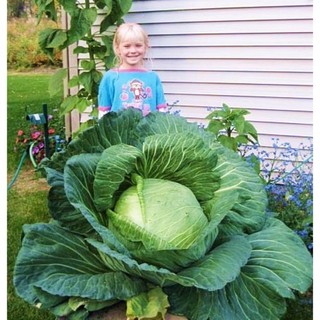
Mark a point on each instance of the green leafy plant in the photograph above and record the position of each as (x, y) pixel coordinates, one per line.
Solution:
(231, 128)
(152, 209)
(96, 45)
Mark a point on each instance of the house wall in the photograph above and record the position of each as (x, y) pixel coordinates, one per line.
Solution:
(248, 54)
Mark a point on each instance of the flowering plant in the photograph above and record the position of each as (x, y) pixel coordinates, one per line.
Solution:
(287, 173)
(34, 137)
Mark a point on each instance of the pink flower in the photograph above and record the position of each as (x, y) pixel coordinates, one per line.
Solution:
(20, 133)
(51, 131)
(35, 150)
(35, 135)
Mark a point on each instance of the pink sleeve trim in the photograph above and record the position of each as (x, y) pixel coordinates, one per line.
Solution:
(162, 106)
(104, 108)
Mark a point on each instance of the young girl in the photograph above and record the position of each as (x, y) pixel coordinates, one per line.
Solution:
(130, 84)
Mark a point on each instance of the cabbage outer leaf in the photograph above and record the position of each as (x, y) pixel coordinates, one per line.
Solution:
(114, 129)
(62, 264)
(181, 158)
(279, 259)
(60, 207)
(116, 163)
(278, 264)
(221, 266)
(247, 214)
(243, 299)
(80, 170)
(152, 304)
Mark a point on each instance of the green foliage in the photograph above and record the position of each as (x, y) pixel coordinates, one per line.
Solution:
(23, 50)
(231, 128)
(99, 52)
(239, 245)
(19, 8)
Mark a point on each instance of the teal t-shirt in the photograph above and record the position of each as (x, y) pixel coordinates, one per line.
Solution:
(133, 88)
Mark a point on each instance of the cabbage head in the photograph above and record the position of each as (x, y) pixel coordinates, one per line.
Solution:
(153, 212)
(150, 206)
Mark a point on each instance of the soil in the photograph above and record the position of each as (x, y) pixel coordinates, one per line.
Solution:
(37, 70)
(28, 181)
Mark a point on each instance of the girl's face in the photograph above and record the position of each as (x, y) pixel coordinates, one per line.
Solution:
(131, 53)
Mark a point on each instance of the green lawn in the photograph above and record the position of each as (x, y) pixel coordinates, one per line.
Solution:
(23, 208)
(26, 199)
(26, 93)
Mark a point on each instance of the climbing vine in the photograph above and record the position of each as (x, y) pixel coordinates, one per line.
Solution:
(95, 46)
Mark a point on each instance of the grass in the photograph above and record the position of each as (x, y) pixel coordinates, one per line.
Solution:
(26, 94)
(27, 199)
(23, 208)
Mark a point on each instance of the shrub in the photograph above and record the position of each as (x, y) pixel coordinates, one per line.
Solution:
(23, 49)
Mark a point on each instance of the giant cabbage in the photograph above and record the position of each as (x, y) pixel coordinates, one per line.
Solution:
(152, 211)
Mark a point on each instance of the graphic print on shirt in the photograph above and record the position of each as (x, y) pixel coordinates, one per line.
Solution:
(134, 95)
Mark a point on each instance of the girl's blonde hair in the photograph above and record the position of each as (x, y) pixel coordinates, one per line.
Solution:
(127, 32)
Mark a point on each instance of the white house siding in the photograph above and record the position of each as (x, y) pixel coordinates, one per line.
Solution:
(255, 55)
(248, 54)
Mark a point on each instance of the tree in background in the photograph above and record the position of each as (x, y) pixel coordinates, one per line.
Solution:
(20, 8)
(23, 49)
